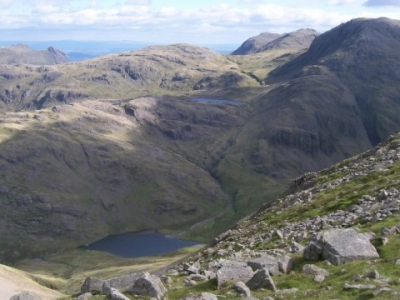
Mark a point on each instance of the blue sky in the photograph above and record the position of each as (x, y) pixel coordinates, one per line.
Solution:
(204, 22)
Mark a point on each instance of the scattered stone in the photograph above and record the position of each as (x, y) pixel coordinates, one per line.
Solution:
(319, 278)
(398, 262)
(166, 279)
(358, 286)
(261, 279)
(84, 296)
(357, 278)
(268, 298)
(314, 270)
(381, 290)
(286, 292)
(24, 296)
(242, 289)
(202, 296)
(197, 277)
(285, 264)
(312, 252)
(116, 295)
(296, 247)
(189, 282)
(373, 274)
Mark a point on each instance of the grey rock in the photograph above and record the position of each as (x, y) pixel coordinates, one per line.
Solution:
(197, 277)
(314, 270)
(344, 245)
(372, 274)
(313, 251)
(268, 298)
(268, 262)
(359, 286)
(210, 274)
(166, 279)
(381, 290)
(24, 296)
(189, 282)
(319, 278)
(285, 264)
(261, 279)
(287, 292)
(398, 262)
(202, 296)
(123, 283)
(234, 272)
(84, 296)
(148, 285)
(296, 247)
(92, 285)
(242, 289)
(116, 295)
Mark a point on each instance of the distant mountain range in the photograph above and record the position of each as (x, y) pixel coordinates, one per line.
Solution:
(118, 143)
(22, 54)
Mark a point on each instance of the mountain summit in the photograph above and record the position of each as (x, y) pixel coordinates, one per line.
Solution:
(299, 39)
(22, 54)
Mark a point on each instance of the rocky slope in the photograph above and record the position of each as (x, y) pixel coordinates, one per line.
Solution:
(253, 44)
(335, 234)
(22, 54)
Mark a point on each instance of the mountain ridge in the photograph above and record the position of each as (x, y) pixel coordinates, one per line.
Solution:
(123, 132)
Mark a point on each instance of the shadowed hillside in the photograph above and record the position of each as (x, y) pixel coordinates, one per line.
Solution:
(119, 143)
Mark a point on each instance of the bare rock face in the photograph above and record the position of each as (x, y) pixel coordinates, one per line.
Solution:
(92, 284)
(340, 246)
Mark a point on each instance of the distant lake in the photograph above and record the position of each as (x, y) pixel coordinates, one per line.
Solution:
(132, 245)
(218, 101)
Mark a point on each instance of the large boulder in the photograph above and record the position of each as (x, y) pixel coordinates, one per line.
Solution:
(275, 265)
(261, 279)
(148, 285)
(234, 271)
(340, 246)
(92, 285)
(123, 283)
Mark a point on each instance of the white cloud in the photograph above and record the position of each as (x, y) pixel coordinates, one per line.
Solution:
(139, 2)
(220, 23)
(6, 3)
(347, 2)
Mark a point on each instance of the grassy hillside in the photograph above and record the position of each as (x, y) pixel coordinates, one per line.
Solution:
(119, 143)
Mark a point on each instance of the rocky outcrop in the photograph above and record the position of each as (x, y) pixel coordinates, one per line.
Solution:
(142, 283)
(340, 246)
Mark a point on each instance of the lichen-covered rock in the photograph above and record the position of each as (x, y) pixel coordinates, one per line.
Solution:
(340, 246)
(261, 279)
(92, 285)
(314, 270)
(234, 271)
(148, 285)
(242, 289)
